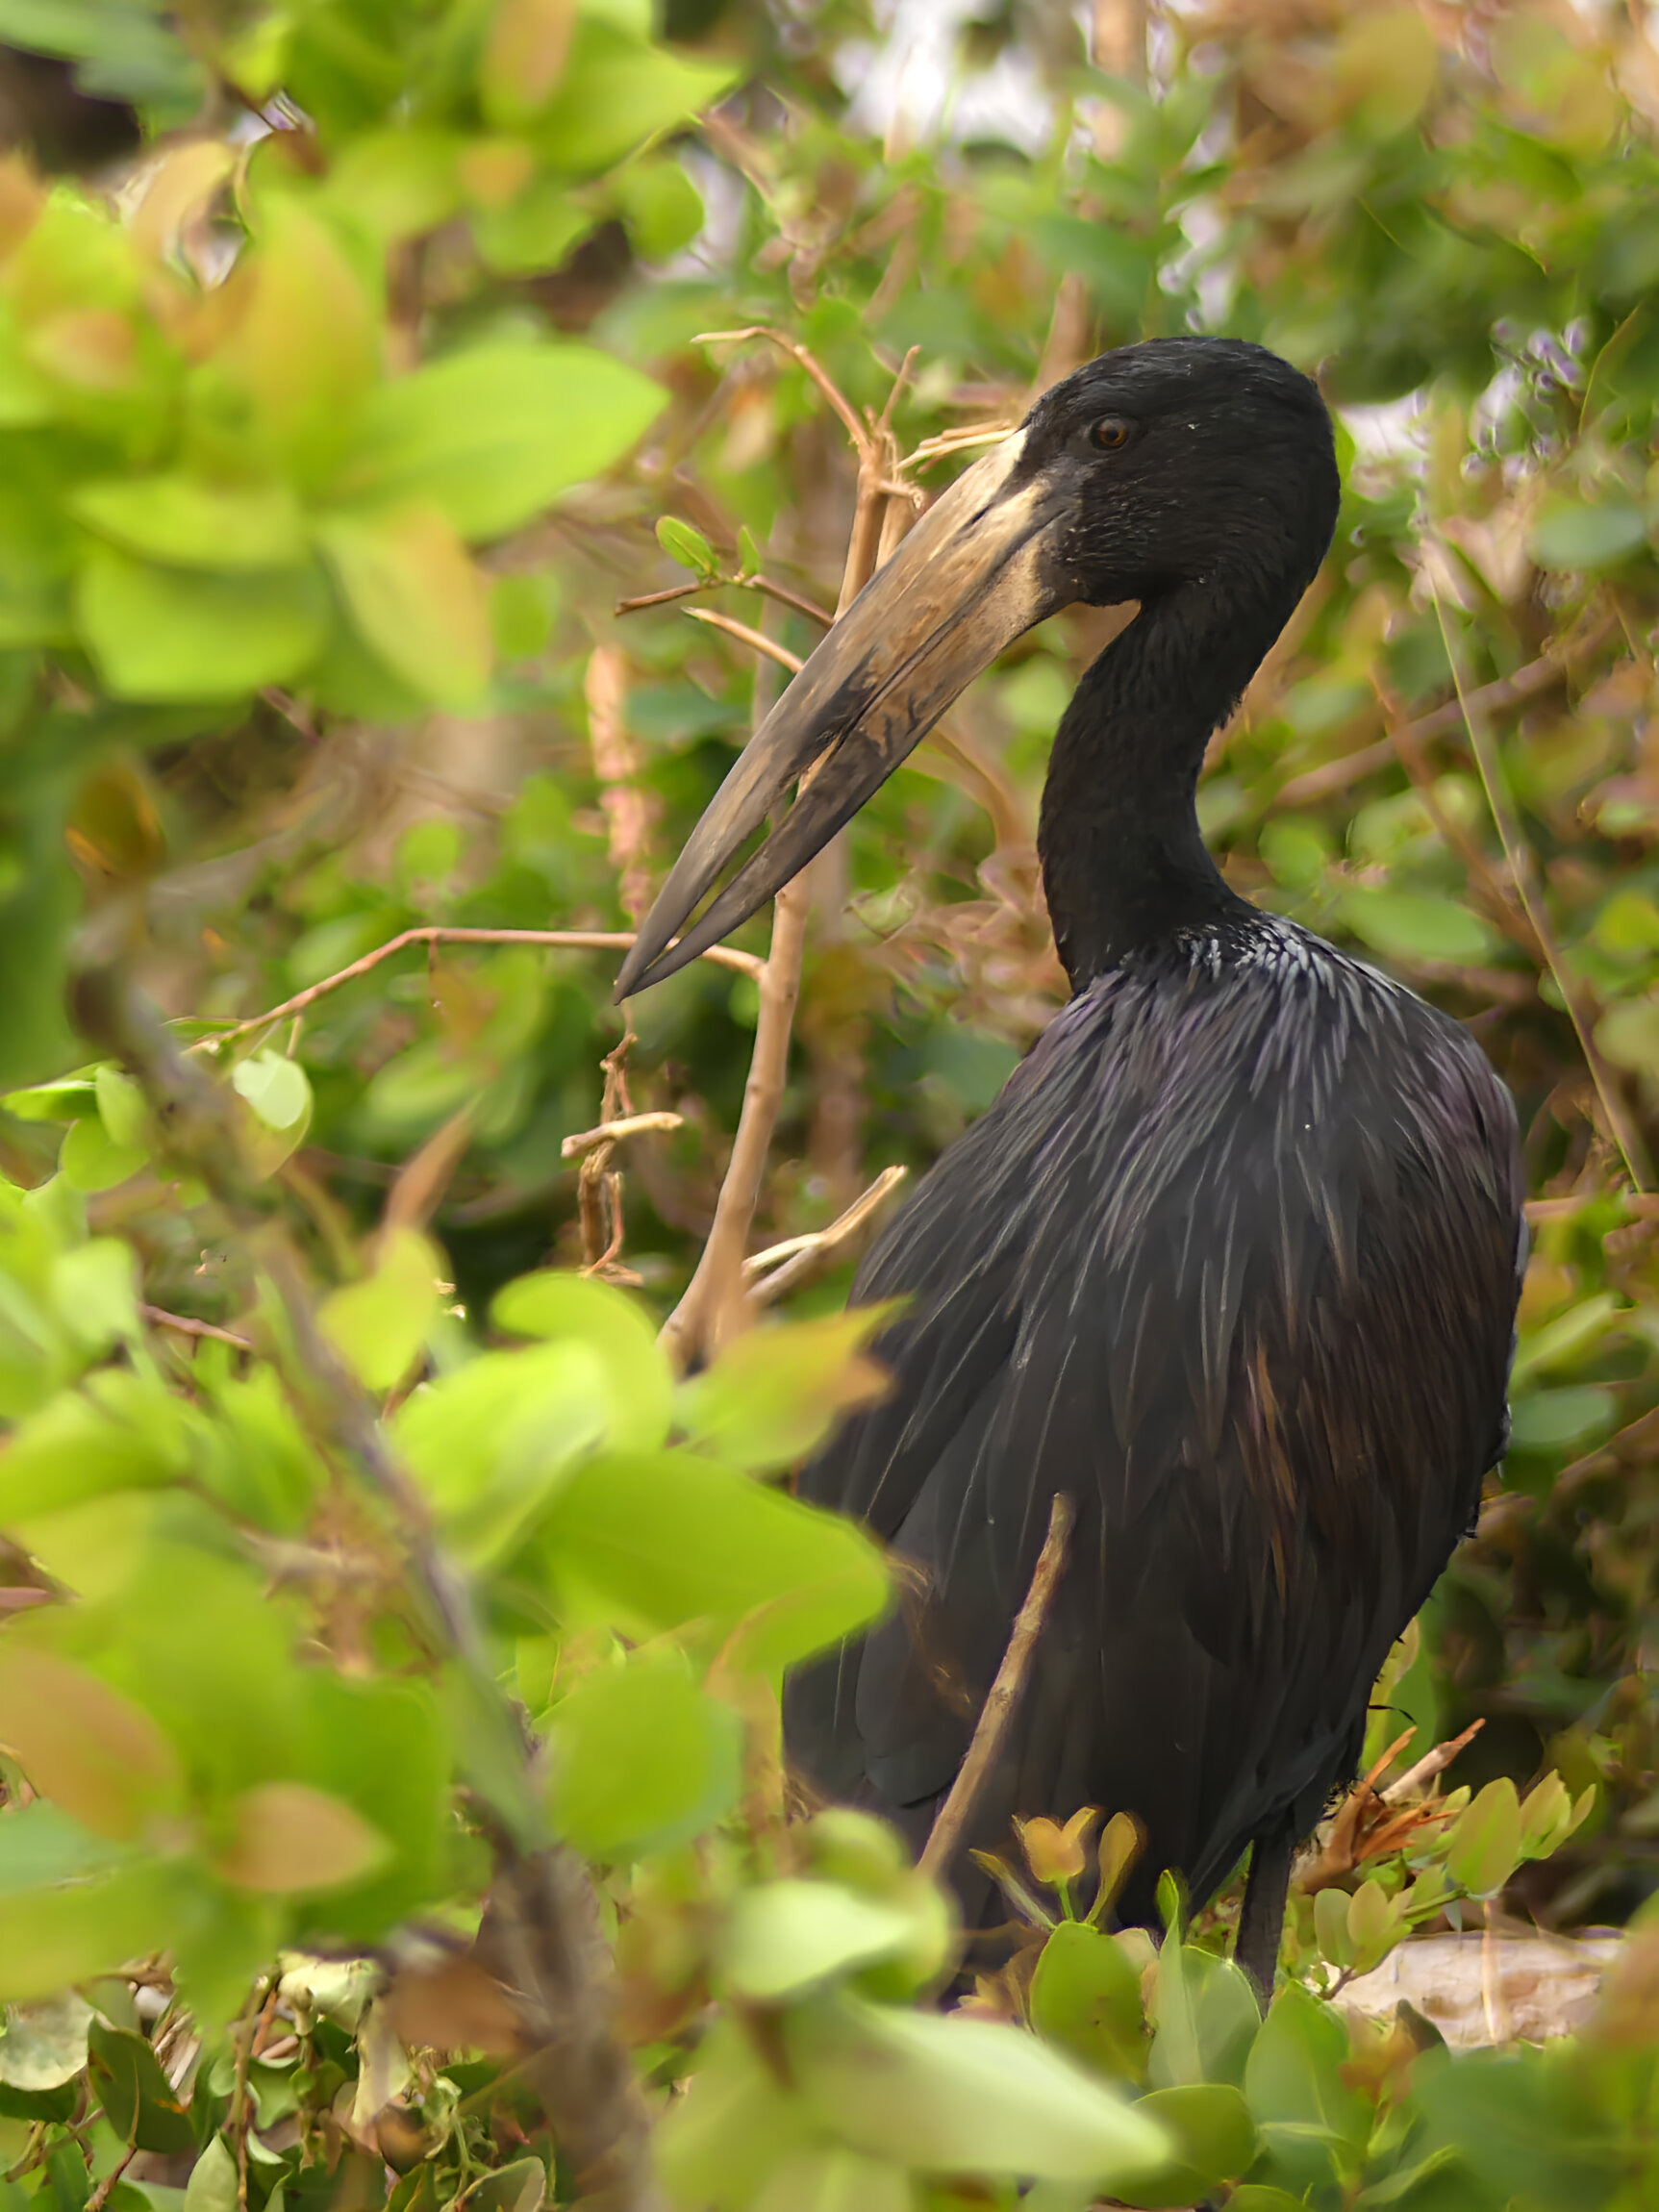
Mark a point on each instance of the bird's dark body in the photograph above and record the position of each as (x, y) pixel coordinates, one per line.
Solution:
(1231, 1260)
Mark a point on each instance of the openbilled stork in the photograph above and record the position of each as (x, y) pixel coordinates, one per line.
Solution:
(1233, 1259)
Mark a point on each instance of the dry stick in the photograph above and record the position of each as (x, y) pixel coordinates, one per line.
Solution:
(434, 933)
(1431, 1764)
(1523, 873)
(800, 1256)
(101, 2196)
(762, 584)
(1333, 776)
(997, 1712)
(182, 1325)
(1502, 897)
(756, 640)
(616, 765)
(612, 1132)
(712, 1302)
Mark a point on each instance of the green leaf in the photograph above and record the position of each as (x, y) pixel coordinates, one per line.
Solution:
(783, 1938)
(647, 1544)
(494, 434)
(213, 2183)
(39, 1844)
(836, 2181)
(278, 1092)
(90, 1161)
(519, 2187)
(52, 1937)
(1086, 1997)
(137, 2098)
(1205, 2017)
(190, 523)
(379, 1325)
(1628, 1033)
(775, 1392)
(1528, 2125)
(642, 1760)
(414, 596)
(562, 1307)
(615, 93)
(167, 634)
(1417, 926)
(85, 1745)
(524, 58)
(45, 2044)
(65, 1099)
(959, 2095)
(397, 184)
(492, 1444)
(1571, 534)
(121, 1108)
(1215, 2140)
(718, 2145)
(688, 546)
(120, 1432)
(95, 1291)
(1309, 2119)
(1485, 1843)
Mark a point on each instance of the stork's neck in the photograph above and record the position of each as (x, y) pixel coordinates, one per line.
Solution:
(1123, 865)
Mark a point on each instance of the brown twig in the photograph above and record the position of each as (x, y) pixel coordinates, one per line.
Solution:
(434, 933)
(996, 1715)
(182, 1325)
(1431, 1764)
(713, 1303)
(612, 1132)
(1525, 875)
(799, 353)
(1333, 776)
(1503, 899)
(773, 1273)
(762, 584)
(623, 801)
(105, 2188)
(756, 640)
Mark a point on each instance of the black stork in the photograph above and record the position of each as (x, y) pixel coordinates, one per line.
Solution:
(1233, 1259)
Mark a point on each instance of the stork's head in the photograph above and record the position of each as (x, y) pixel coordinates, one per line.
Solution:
(1182, 463)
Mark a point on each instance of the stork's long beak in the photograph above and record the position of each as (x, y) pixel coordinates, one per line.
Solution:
(980, 568)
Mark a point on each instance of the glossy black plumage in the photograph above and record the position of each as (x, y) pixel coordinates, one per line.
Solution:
(1232, 1261)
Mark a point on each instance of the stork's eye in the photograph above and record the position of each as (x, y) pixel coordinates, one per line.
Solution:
(1111, 432)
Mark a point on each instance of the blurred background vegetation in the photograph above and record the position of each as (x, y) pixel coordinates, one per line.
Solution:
(1446, 212)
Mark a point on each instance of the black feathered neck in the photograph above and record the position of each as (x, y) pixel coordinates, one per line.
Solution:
(1125, 867)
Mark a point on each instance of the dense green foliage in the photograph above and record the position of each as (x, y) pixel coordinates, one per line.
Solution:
(364, 1563)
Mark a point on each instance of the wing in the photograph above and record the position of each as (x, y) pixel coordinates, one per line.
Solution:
(1231, 1262)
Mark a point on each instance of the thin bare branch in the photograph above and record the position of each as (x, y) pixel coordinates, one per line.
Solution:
(808, 360)
(715, 1304)
(1333, 776)
(613, 1132)
(617, 763)
(963, 441)
(773, 1273)
(665, 598)
(1431, 1764)
(185, 1325)
(787, 598)
(756, 640)
(996, 1715)
(765, 585)
(1524, 873)
(433, 933)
